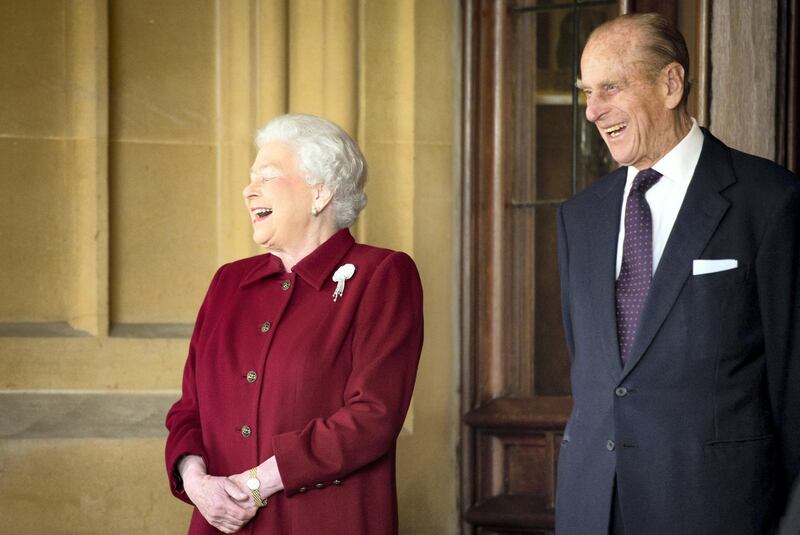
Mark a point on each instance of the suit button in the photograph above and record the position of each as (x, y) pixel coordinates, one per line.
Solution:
(285, 285)
(302, 489)
(252, 376)
(265, 327)
(610, 445)
(246, 431)
(621, 392)
(337, 481)
(320, 485)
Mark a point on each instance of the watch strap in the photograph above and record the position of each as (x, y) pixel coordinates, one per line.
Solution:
(260, 502)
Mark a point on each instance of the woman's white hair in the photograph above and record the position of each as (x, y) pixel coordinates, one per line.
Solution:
(326, 155)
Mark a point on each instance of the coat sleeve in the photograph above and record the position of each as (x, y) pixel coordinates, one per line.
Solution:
(563, 273)
(778, 280)
(387, 342)
(185, 435)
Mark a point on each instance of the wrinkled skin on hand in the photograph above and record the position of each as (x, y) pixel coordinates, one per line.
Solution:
(268, 475)
(224, 504)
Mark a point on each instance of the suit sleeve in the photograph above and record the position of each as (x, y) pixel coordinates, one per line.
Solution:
(778, 280)
(563, 271)
(185, 436)
(387, 343)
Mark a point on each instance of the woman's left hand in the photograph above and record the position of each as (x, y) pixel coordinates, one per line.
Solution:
(269, 476)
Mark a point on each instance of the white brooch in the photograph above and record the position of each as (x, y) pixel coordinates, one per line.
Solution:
(342, 274)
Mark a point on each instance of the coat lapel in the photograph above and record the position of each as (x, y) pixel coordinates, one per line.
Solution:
(702, 209)
(604, 233)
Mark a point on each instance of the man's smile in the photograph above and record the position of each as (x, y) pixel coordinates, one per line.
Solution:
(615, 130)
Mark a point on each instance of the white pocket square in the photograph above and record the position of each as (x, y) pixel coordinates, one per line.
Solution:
(704, 267)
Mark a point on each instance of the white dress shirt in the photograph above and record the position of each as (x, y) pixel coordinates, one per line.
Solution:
(666, 196)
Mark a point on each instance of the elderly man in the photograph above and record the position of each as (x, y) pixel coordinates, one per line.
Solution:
(680, 279)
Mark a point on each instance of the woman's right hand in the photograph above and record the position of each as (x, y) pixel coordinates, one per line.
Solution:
(221, 502)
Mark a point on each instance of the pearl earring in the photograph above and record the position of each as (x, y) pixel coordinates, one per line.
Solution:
(314, 211)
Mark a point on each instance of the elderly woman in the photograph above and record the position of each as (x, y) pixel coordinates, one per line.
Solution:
(302, 362)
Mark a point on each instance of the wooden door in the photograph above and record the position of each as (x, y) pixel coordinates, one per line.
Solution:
(527, 148)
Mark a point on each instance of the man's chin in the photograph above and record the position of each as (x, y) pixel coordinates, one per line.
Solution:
(621, 158)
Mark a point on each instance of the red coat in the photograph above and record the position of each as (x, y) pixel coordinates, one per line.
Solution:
(332, 384)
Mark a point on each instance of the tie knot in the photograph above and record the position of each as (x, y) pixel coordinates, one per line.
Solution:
(645, 179)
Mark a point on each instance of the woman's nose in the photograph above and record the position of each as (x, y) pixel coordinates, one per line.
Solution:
(249, 191)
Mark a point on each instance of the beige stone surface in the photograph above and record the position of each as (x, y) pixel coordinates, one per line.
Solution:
(389, 215)
(427, 459)
(87, 266)
(163, 73)
(163, 215)
(91, 363)
(340, 63)
(388, 71)
(36, 220)
(33, 100)
(80, 414)
(307, 40)
(87, 487)
(128, 130)
(271, 50)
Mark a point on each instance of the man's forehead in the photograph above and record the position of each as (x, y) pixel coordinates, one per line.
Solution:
(619, 33)
(607, 62)
(618, 41)
(604, 69)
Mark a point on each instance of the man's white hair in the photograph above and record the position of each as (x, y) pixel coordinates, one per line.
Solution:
(326, 155)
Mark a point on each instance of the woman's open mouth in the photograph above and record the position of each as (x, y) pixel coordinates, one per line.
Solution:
(260, 214)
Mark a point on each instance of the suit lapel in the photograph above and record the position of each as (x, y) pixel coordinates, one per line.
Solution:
(702, 209)
(603, 233)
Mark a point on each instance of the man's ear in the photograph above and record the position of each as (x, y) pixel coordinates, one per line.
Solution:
(674, 76)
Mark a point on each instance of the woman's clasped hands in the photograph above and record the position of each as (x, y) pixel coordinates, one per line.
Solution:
(226, 502)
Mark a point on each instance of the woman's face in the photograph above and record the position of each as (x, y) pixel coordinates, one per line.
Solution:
(278, 199)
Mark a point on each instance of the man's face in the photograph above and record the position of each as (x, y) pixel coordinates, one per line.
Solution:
(628, 108)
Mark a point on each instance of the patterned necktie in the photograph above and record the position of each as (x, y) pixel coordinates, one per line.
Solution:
(636, 273)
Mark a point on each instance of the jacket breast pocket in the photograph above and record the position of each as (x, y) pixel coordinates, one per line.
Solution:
(718, 311)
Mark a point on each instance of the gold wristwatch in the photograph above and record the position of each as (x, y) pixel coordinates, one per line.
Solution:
(254, 484)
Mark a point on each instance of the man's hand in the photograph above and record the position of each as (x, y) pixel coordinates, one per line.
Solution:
(222, 503)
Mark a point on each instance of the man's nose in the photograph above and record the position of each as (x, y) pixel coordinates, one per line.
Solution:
(594, 109)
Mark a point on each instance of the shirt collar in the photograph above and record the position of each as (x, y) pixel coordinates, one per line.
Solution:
(314, 268)
(679, 163)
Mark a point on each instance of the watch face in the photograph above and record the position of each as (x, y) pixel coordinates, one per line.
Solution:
(253, 483)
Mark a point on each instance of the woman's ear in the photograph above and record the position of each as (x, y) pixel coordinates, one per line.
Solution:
(321, 197)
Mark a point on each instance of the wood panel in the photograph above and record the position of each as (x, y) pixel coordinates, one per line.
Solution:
(522, 121)
(787, 101)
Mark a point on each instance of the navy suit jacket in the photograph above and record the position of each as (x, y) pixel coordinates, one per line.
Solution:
(701, 428)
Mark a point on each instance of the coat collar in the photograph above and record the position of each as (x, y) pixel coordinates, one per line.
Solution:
(605, 221)
(314, 268)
